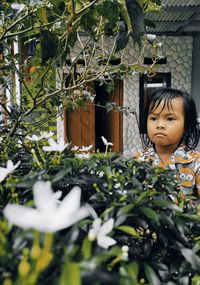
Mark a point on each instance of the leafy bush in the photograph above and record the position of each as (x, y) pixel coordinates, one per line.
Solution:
(133, 226)
(138, 228)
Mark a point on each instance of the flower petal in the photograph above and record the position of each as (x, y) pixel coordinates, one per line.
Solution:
(22, 216)
(53, 146)
(11, 166)
(18, 7)
(48, 217)
(52, 142)
(71, 203)
(86, 148)
(61, 222)
(46, 135)
(105, 242)
(34, 138)
(104, 140)
(106, 227)
(96, 224)
(69, 211)
(44, 197)
(57, 195)
(3, 173)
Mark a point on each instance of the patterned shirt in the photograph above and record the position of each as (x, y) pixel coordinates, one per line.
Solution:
(186, 163)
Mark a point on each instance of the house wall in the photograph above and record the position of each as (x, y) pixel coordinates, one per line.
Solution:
(196, 72)
(178, 51)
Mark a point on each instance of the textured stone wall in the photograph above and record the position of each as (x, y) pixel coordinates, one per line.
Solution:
(178, 51)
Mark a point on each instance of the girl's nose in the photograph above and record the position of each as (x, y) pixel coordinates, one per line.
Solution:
(160, 124)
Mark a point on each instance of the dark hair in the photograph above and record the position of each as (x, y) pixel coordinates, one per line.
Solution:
(191, 126)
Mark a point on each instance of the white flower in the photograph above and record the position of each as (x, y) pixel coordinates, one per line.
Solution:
(46, 135)
(150, 37)
(105, 141)
(125, 250)
(75, 147)
(49, 215)
(117, 185)
(54, 146)
(100, 173)
(35, 2)
(34, 138)
(82, 155)
(18, 7)
(99, 232)
(43, 135)
(10, 167)
(57, 195)
(86, 148)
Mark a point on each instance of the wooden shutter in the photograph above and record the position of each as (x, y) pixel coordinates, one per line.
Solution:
(80, 126)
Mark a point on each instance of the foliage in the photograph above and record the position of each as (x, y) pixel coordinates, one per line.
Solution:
(156, 228)
(152, 229)
(67, 35)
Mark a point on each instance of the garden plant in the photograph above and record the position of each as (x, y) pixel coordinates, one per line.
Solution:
(69, 216)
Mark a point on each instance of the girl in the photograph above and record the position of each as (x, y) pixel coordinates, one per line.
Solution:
(172, 133)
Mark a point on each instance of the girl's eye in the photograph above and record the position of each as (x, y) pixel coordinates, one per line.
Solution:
(170, 119)
(152, 118)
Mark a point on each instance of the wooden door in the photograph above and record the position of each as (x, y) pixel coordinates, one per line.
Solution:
(80, 126)
(114, 127)
(86, 127)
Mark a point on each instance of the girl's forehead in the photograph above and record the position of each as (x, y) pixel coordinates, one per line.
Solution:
(172, 106)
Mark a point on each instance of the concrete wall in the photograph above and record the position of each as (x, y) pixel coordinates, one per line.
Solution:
(196, 72)
(178, 51)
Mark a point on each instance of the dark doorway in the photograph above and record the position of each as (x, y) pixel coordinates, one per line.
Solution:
(101, 115)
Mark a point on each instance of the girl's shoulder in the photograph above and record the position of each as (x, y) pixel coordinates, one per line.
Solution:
(194, 153)
(145, 154)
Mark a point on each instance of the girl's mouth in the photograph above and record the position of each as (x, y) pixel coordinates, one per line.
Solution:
(160, 135)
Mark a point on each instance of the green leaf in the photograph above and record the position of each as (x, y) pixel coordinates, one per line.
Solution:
(110, 11)
(70, 274)
(61, 174)
(133, 270)
(143, 196)
(151, 275)
(49, 45)
(42, 14)
(191, 257)
(166, 204)
(86, 248)
(129, 230)
(191, 217)
(72, 38)
(136, 15)
(150, 213)
(121, 40)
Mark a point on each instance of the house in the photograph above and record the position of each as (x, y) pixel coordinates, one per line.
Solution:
(177, 31)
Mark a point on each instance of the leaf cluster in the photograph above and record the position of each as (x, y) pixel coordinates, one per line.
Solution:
(158, 224)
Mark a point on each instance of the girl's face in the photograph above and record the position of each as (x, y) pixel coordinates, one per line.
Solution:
(165, 124)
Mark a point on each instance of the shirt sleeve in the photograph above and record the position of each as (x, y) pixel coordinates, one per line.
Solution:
(197, 180)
